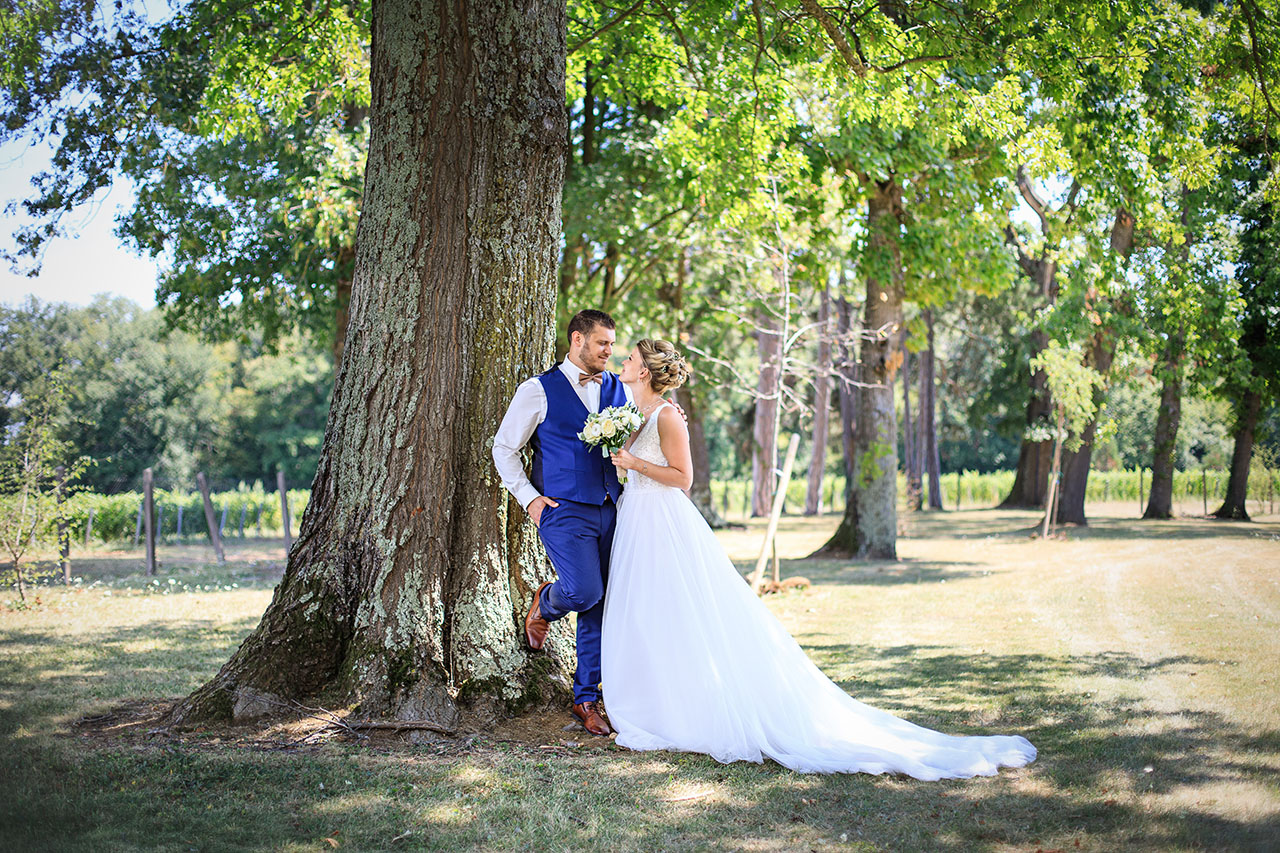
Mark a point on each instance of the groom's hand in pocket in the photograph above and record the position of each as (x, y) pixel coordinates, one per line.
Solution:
(537, 505)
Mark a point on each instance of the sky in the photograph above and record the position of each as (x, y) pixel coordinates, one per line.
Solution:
(89, 259)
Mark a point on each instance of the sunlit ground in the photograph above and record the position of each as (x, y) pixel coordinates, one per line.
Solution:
(1138, 656)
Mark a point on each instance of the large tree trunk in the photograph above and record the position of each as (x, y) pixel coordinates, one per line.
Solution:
(928, 415)
(821, 408)
(764, 454)
(870, 524)
(700, 493)
(1160, 503)
(1235, 505)
(1075, 466)
(405, 590)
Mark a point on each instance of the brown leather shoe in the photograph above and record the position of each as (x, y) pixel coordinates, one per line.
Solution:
(535, 627)
(589, 713)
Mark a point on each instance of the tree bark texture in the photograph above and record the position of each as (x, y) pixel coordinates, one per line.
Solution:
(821, 408)
(764, 452)
(1234, 506)
(405, 591)
(870, 525)
(1160, 502)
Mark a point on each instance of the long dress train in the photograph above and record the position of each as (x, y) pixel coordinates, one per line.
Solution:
(693, 661)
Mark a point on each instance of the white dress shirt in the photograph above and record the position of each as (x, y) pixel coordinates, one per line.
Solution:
(527, 410)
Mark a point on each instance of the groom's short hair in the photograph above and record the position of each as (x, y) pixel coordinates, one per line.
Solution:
(586, 320)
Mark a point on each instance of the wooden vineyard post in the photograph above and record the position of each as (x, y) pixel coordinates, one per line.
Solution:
(148, 519)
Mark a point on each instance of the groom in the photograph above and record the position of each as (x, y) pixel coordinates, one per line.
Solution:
(573, 494)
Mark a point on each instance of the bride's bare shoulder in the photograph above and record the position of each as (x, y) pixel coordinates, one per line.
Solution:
(670, 423)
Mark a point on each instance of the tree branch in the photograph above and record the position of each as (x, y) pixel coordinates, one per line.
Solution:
(617, 19)
(1258, 67)
(1033, 200)
(837, 37)
(1029, 264)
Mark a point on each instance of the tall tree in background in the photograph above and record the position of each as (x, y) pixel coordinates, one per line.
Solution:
(821, 406)
(1189, 303)
(1256, 380)
(927, 443)
(1039, 261)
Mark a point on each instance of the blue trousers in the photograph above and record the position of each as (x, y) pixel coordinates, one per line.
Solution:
(578, 537)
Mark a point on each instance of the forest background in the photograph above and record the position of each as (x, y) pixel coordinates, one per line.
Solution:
(724, 183)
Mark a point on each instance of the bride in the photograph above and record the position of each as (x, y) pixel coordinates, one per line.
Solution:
(693, 661)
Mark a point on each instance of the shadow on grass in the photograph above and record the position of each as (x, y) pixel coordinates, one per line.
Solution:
(875, 573)
(1091, 781)
(1023, 524)
(54, 677)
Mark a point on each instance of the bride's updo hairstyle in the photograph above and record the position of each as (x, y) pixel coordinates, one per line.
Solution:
(667, 368)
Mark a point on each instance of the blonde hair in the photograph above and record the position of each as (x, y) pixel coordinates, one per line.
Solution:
(667, 368)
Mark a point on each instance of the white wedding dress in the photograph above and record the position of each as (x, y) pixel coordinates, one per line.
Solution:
(693, 661)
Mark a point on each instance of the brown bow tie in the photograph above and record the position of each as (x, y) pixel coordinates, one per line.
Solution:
(584, 378)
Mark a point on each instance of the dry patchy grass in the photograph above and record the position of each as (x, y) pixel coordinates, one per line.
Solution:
(1138, 656)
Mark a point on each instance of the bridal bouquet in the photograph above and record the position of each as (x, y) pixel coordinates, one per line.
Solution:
(609, 428)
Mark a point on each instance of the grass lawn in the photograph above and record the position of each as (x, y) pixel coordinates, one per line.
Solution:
(1139, 657)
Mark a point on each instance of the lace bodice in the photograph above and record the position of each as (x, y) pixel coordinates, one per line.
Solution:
(647, 446)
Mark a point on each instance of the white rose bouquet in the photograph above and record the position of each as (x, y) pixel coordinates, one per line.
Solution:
(610, 428)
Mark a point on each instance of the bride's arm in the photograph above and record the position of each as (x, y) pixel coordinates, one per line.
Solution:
(674, 437)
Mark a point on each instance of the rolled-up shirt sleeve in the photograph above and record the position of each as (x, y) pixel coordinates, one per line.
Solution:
(528, 409)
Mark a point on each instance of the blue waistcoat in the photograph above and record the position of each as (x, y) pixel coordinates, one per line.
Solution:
(563, 465)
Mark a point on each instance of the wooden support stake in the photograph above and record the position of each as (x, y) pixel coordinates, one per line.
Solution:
(88, 526)
(284, 512)
(148, 519)
(757, 577)
(214, 535)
